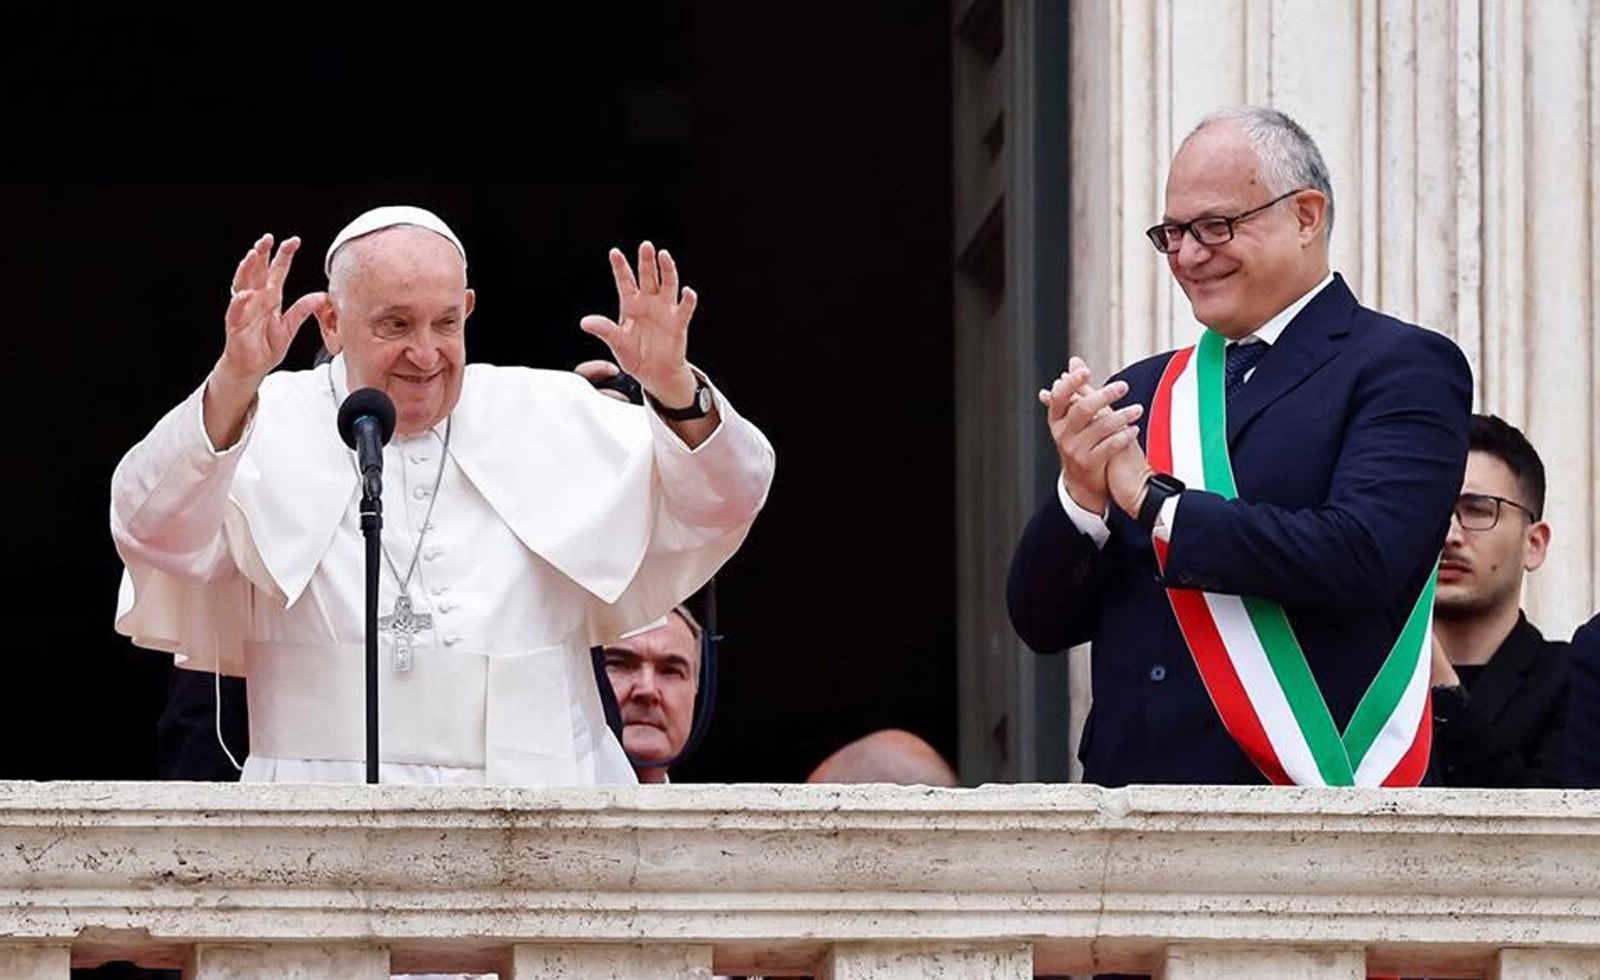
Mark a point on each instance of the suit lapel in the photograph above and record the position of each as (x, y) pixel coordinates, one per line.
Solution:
(1506, 671)
(1309, 341)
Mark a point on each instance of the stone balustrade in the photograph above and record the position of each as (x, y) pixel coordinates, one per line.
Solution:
(841, 883)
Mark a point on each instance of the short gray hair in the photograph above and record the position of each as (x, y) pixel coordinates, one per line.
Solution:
(1289, 158)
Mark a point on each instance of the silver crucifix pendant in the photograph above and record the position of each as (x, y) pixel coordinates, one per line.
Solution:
(402, 626)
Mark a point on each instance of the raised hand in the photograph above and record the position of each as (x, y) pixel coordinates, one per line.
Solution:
(258, 332)
(1090, 435)
(258, 328)
(650, 337)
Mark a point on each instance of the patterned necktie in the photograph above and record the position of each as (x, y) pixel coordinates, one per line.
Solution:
(1241, 358)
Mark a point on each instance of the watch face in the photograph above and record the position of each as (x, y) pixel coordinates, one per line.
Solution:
(702, 398)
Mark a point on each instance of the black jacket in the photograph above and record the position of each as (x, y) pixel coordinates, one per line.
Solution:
(1583, 729)
(1508, 728)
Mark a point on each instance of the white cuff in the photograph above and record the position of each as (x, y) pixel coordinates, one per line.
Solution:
(244, 434)
(1090, 523)
(1166, 516)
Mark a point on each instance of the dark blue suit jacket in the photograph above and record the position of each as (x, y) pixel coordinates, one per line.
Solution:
(1348, 445)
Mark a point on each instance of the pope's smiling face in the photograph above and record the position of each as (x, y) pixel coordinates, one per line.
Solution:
(1275, 257)
(399, 305)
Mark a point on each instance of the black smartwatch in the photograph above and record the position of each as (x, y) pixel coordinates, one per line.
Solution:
(1156, 491)
(698, 409)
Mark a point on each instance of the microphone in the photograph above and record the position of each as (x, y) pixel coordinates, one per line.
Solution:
(366, 421)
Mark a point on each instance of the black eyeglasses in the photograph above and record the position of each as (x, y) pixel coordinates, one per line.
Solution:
(1212, 229)
(1481, 511)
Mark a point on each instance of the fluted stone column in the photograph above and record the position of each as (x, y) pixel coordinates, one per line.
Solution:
(287, 961)
(602, 962)
(1540, 362)
(1003, 961)
(28, 962)
(1260, 963)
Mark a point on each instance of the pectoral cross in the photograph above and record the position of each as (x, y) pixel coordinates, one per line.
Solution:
(402, 625)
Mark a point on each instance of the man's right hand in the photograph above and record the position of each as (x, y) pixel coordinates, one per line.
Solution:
(258, 334)
(601, 373)
(1088, 432)
(1442, 672)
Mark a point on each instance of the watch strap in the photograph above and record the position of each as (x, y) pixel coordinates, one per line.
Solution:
(697, 409)
(1159, 488)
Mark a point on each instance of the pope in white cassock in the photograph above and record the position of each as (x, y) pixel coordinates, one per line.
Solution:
(526, 517)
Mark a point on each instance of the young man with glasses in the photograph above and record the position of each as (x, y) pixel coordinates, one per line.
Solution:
(1499, 687)
(1243, 527)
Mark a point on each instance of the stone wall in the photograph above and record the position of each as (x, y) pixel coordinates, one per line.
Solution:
(247, 881)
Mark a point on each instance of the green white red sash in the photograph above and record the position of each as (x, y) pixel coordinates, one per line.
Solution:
(1244, 647)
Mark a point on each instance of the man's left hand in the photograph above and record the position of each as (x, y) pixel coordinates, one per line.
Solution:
(650, 336)
(1127, 473)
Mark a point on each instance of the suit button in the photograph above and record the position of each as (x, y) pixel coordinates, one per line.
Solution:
(1158, 673)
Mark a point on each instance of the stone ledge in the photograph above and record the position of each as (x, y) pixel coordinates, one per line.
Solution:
(775, 875)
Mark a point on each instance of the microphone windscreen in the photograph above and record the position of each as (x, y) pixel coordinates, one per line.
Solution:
(366, 401)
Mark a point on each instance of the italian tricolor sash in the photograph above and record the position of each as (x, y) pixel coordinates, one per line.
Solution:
(1244, 647)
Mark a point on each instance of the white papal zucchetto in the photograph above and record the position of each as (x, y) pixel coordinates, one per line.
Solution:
(390, 216)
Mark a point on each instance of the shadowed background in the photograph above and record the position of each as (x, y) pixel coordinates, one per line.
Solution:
(795, 159)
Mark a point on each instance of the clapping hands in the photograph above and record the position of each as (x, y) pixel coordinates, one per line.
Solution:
(1098, 445)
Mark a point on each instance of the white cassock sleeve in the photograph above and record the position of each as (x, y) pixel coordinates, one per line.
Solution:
(706, 500)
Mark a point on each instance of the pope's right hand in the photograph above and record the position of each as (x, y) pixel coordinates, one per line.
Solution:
(259, 330)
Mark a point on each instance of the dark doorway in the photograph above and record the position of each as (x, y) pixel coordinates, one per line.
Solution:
(794, 156)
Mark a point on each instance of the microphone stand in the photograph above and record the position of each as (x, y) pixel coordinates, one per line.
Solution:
(372, 530)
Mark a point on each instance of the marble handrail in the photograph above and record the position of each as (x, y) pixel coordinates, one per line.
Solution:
(839, 881)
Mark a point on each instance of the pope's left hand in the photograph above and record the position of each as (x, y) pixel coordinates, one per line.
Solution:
(650, 337)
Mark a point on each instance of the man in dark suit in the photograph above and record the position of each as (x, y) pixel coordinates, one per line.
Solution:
(1583, 722)
(196, 738)
(1499, 687)
(1345, 435)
